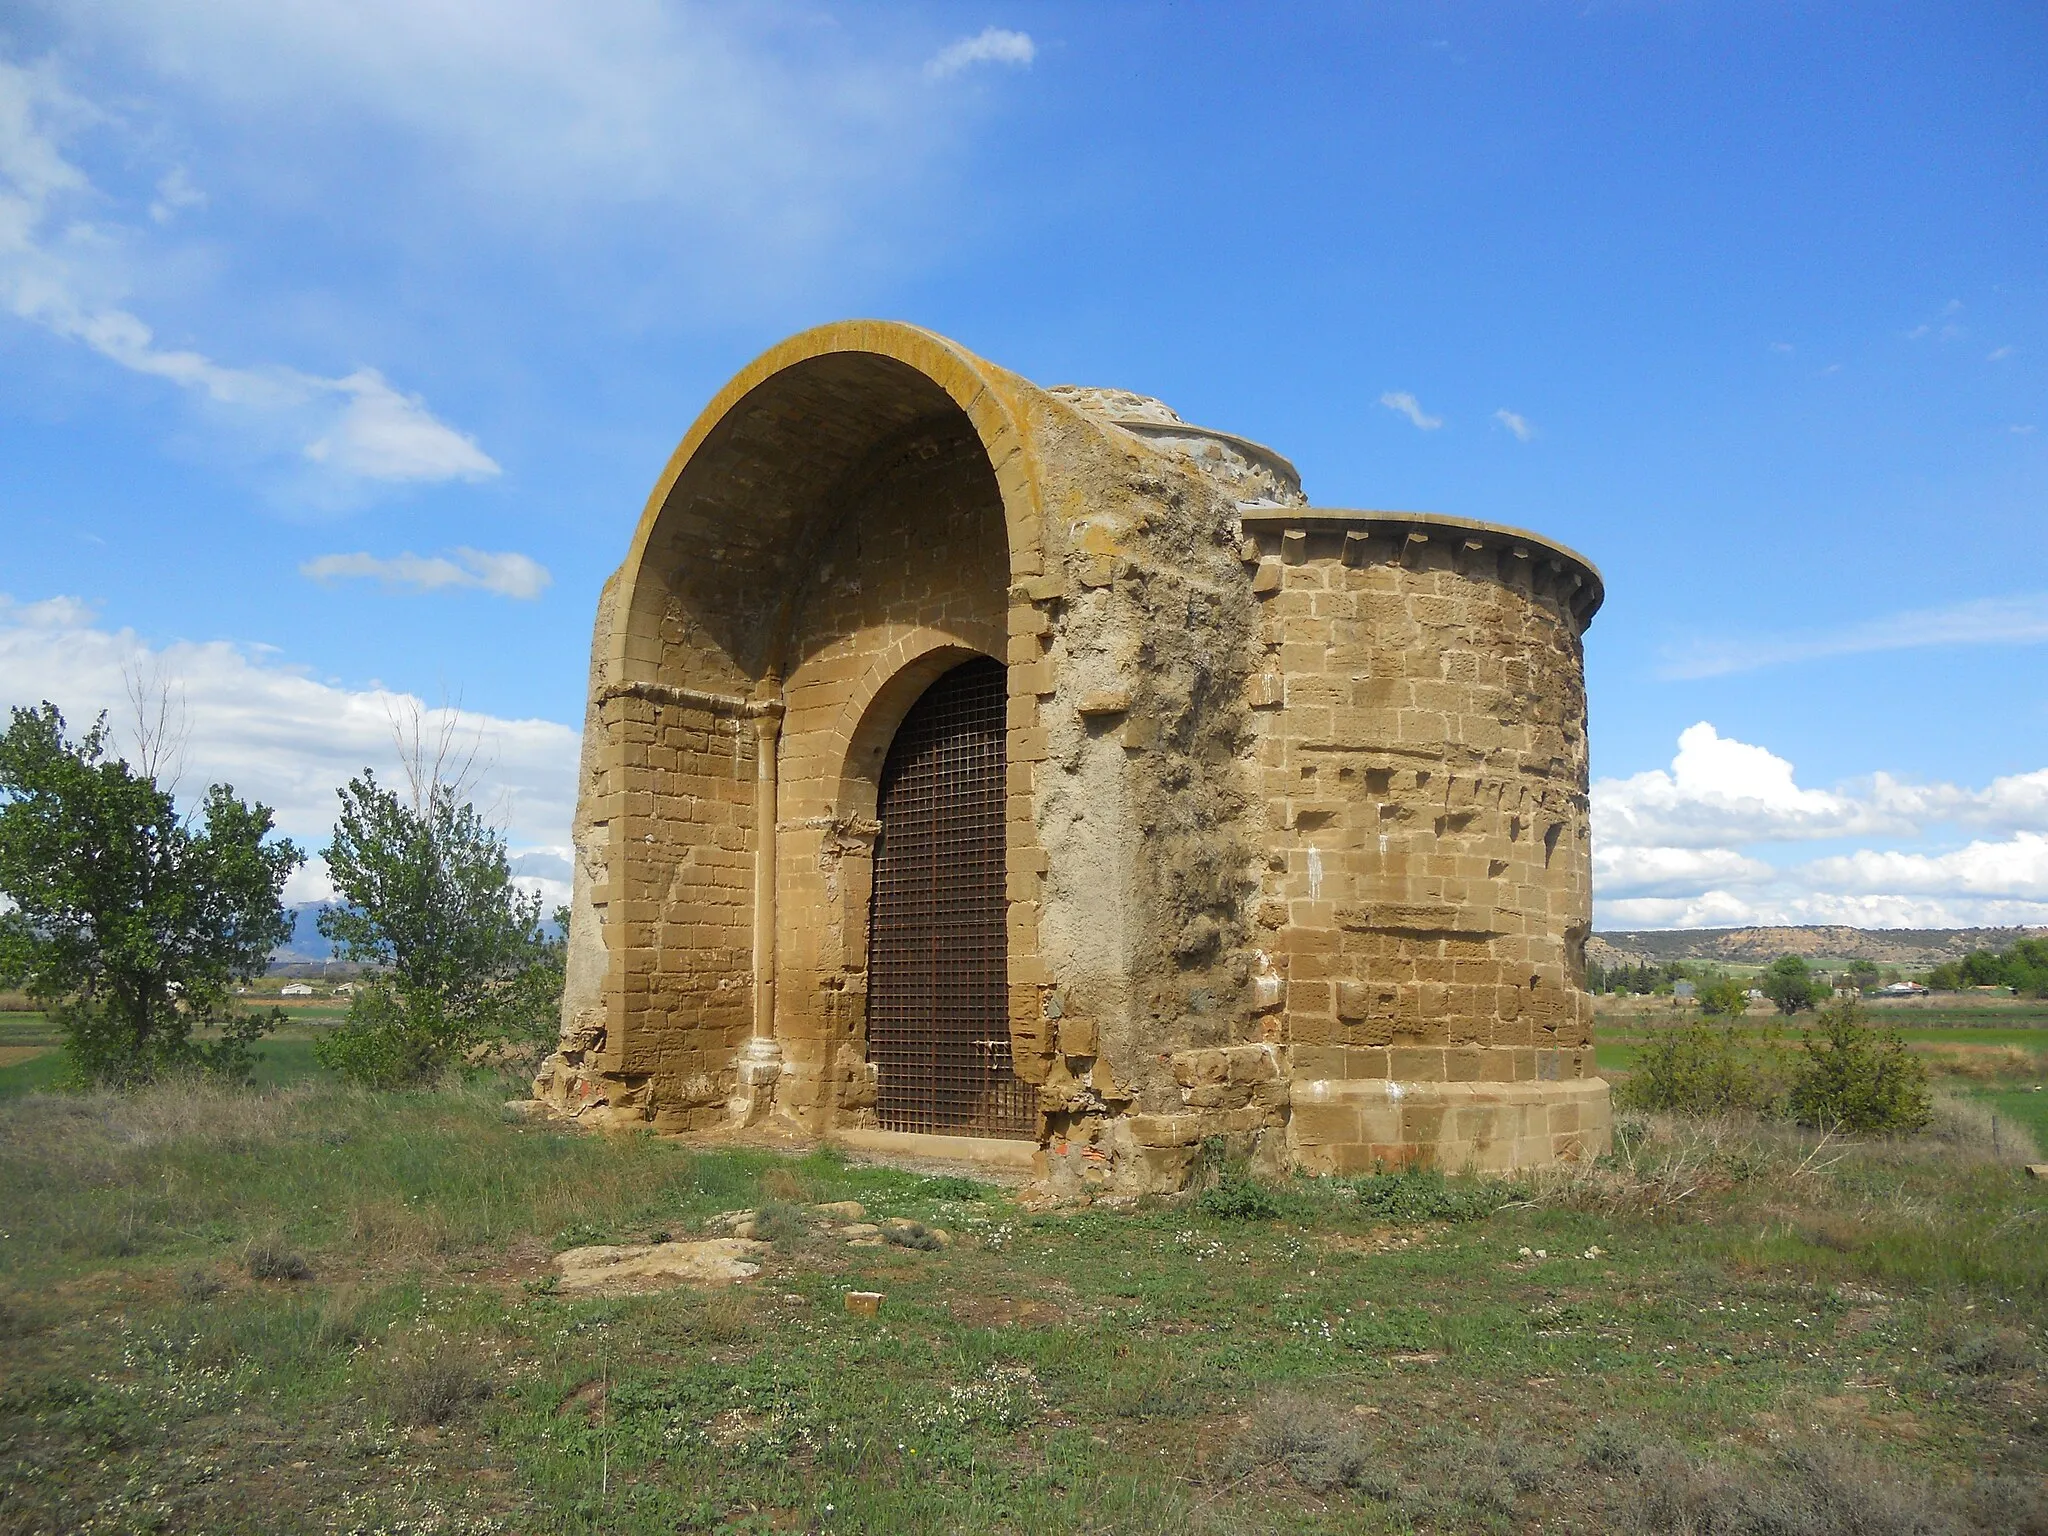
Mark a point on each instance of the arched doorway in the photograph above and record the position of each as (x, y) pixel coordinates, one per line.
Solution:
(938, 940)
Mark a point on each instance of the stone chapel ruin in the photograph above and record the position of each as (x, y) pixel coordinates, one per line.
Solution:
(966, 759)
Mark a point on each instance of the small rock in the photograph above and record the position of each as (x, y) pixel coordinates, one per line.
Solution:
(2037, 1170)
(864, 1303)
(842, 1210)
(860, 1230)
(716, 1261)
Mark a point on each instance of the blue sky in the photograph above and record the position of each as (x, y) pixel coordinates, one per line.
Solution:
(340, 346)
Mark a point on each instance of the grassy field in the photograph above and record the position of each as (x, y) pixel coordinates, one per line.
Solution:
(1994, 1053)
(311, 1309)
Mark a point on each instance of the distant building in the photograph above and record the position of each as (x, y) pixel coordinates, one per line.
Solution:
(1902, 989)
(295, 989)
(346, 989)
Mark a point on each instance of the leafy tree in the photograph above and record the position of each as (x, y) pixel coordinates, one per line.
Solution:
(1790, 983)
(1855, 1079)
(1863, 975)
(428, 899)
(1724, 997)
(2023, 966)
(127, 921)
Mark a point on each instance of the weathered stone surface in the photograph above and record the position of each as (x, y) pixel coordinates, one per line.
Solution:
(1289, 791)
(652, 1266)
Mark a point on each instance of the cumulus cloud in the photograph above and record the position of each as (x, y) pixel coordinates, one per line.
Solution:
(991, 45)
(1405, 404)
(507, 574)
(1682, 848)
(1517, 424)
(61, 271)
(284, 737)
(2021, 620)
(1720, 791)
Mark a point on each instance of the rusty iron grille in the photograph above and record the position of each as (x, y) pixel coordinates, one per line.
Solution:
(938, 934)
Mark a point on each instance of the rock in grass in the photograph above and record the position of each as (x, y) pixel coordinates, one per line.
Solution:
(652, 1266)
(842, 1210)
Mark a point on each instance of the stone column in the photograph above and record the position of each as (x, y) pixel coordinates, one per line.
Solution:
(759, 1063)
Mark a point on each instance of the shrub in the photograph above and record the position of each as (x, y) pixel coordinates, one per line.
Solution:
(1706, 1071)
(1855, 1079)
(1237, 1198)
(778, 1223)
(1807, 1490)
(269, 1261)
(431, 1384)
(1424, 1194)
(1726, 997)
(1306, 1438)
(915, 1235)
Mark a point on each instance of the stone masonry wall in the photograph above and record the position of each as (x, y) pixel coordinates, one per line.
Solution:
(1426, 890)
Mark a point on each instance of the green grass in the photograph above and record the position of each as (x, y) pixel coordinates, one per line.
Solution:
(284, 1057)
(1414, 1354)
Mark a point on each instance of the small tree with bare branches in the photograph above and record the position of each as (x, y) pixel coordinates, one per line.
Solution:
(427, 899)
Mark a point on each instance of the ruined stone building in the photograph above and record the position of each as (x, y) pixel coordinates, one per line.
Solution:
(966, 759)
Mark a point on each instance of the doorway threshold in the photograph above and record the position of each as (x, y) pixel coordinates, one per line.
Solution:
(990, 1154)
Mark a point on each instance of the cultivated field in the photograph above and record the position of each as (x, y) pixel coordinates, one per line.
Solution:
(305, 1308)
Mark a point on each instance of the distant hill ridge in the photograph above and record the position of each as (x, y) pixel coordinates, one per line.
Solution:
(1883, 946)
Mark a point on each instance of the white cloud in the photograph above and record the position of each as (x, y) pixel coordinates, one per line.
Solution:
(992, 45)
(276, 734)
(1999, 354)
(384, 435)
(1722, 792)
(66, 274)
(175, 192)
(1405, 404)
(1517, 424)
(2021, 620)
(508, 574)
(1676, 849)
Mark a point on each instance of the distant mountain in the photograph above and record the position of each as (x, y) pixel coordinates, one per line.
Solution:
(307, 945)
(1882, 946)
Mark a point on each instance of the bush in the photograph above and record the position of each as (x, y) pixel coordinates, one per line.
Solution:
(268, 1261)
(1856, 1079)
(1706, 1071)
(1424, 1194)
(1725, 997)
(1237, 1198)
(431, 1384)
(1308, 1439)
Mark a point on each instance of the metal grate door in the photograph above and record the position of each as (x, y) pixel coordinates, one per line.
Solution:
(938, 934)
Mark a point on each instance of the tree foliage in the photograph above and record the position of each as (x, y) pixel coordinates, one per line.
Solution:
(2022, 965)
(1724, 997)
(127, 921)
(1790, 983)
(427, 900)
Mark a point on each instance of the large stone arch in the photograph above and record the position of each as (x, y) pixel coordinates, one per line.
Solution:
(752, 476)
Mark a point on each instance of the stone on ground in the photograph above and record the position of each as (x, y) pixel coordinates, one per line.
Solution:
(650, 1266)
